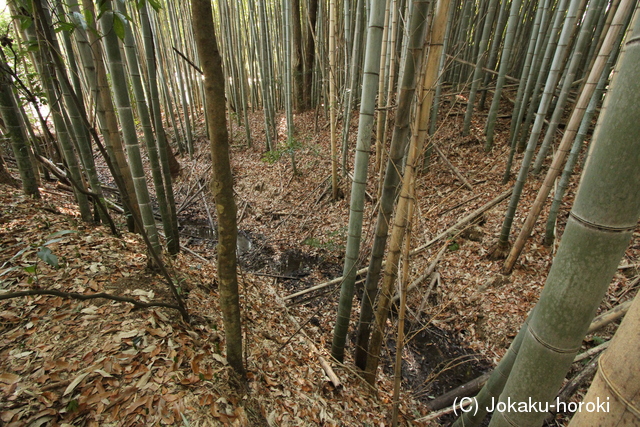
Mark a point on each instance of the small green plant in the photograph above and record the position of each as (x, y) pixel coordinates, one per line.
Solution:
(272, 156)
(335, 243)
(43, 252)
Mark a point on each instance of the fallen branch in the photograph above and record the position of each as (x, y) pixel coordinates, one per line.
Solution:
(183, 56)
(277, 276)
(608, 317)
(330, 373)
(422, 277)
(82, 297)
(442, 412)
(460, 204)
(184, 248)
(591, 352)
(455, 170)
(435, 279)
(464, 221)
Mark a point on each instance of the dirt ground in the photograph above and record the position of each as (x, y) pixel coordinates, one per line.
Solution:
(100, 362)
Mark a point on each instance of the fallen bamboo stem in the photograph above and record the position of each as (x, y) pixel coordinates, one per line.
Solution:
(608, 317)
(330, 373)
(426, 274)
(82, 297)
(464, 221)
(592, 352)
(442, 412)
(455, 170)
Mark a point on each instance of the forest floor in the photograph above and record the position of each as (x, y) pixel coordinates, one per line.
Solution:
(104, 363)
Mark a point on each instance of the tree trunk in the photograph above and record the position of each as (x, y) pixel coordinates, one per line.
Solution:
(222, 183)
(298, 64)
(310, 53)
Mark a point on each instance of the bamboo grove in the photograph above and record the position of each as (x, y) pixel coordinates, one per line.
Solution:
(104, 69)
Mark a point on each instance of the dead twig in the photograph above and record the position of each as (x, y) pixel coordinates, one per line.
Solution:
(82, 297)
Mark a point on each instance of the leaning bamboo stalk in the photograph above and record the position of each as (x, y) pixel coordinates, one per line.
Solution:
(601, 224)
(401, 133)
(570, 132)
(358, 187)
(406, 201)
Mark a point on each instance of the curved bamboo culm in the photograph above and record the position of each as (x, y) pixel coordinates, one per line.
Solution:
(616, 386)
(600, 226)
(570, 132)
(358, 187)
(399, 141)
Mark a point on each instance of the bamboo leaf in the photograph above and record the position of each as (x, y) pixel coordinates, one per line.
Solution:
(119, 22)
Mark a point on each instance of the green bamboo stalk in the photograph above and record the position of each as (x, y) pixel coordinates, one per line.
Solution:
(14, 130)
(358, 186)
(125, 113)
(399, 141)
(601, 224)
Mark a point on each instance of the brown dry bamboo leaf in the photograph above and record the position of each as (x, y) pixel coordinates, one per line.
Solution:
(9, 378)
(75, 383)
